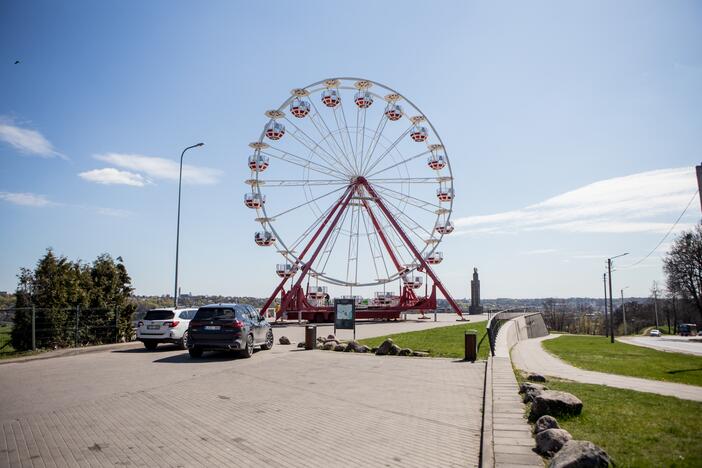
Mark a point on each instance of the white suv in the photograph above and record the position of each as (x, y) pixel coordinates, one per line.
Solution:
(164, 326)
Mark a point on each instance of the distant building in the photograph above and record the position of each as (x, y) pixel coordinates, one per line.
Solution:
(475, 307)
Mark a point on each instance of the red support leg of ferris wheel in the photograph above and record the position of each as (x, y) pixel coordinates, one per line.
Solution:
(410, 245)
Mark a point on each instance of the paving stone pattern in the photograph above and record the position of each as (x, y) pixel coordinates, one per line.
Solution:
(279, 408)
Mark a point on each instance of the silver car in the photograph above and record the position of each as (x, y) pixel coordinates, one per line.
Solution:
(229, 327)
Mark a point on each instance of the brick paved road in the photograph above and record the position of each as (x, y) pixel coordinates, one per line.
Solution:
(280, 408)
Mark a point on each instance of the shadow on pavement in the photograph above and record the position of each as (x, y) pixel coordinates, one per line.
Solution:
(159, 349)
(213, 356)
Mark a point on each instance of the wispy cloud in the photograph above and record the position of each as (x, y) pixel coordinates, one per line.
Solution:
(619, 205)
(116, 212)
(26, 140)
(26, 199)
(160, 168)
(112, 176)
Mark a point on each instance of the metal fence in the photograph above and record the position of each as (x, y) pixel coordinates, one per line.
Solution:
(33, 328)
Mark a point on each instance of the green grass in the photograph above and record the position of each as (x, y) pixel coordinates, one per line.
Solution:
(438, 342)
(5, 338)
(636, 429)
(598, 354)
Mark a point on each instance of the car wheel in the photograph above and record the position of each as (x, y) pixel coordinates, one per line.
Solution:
(248, 350)
(195, 352)
(269, 341)
(150, 345)
(184, 341)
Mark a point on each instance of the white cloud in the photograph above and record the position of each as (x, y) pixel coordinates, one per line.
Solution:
(160, 168)
(26, 140)
(25, 199)
(619, 205)
(112, 176)
(116, 212)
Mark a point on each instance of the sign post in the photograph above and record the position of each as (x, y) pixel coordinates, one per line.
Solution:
(345, 315)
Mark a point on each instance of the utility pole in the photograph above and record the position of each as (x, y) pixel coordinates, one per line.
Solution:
(655, 302)
(623, 312)
(604, 281)
(611, 308)
(699, 182)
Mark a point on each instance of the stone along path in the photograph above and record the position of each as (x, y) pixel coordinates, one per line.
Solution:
(529, 356)
(280, 408)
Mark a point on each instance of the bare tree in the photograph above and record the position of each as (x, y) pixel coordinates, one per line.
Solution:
(683, 266)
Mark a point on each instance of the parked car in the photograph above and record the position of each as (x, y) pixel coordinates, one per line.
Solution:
(164, 326)
(655, 332)
(230, 327)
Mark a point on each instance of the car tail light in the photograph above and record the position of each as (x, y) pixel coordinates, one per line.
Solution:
(172, 324)
(140, 324)
(235, 324)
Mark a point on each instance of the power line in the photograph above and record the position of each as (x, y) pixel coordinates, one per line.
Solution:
(694, 195)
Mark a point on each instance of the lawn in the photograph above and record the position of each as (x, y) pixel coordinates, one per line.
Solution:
(598, 354)
(636, 429)
(5, 346)
(438, 342)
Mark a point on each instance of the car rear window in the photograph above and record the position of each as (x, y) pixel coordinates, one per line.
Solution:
(209, 313)
(159, 315)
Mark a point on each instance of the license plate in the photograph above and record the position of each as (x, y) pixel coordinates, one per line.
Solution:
(211, 327)
(153, 327)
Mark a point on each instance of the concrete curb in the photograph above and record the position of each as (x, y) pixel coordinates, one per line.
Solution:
(72, 352)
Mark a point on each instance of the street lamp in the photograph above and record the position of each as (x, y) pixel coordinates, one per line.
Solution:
(611, 307)
(623, 309)
(180, 180)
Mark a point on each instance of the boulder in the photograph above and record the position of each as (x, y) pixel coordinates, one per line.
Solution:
(536, 378)
(420, 354)
(362, 349)
(331, 337)
(320, 339)
(580, 454)
(373, 350)
(550, 441)
(554, 403)
(329, 345)
(404, 352)
(301, 344)
(394, 350)
(284, 340)
(384, 348)
(545, 422)
(352, 347)
(530, 390)
(319, 346)
(339, 347)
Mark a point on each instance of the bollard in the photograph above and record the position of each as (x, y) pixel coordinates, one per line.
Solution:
(471, 345)
(310, 337)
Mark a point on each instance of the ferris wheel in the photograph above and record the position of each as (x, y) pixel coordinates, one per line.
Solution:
(352, 185)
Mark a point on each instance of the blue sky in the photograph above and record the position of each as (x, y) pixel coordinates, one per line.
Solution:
(572, 129)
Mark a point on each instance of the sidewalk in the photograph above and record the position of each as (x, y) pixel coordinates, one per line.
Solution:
(529, 356)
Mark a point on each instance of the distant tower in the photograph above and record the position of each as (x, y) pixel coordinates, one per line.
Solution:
(475, 307)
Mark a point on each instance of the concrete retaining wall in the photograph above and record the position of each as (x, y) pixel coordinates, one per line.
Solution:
(519, 329)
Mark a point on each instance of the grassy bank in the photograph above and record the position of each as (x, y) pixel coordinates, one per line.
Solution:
(438, 342)
(636, 429)
(598, 354)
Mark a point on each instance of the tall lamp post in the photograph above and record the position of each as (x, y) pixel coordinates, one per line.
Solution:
(180, 180)
(604, 281)
(623, 309)
(611, 306)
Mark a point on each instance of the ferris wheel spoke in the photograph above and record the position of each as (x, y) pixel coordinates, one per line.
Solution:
(346, 126)
(374, 142)
(300, 182)
(312, 146)
(417, 202)
(401, 214)
(306, 203)
(343, 150)
(404, 161)
(304, 163)
(388, 149)
(406, 180)
(370, 246)
(332, 153)
(332, 244)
